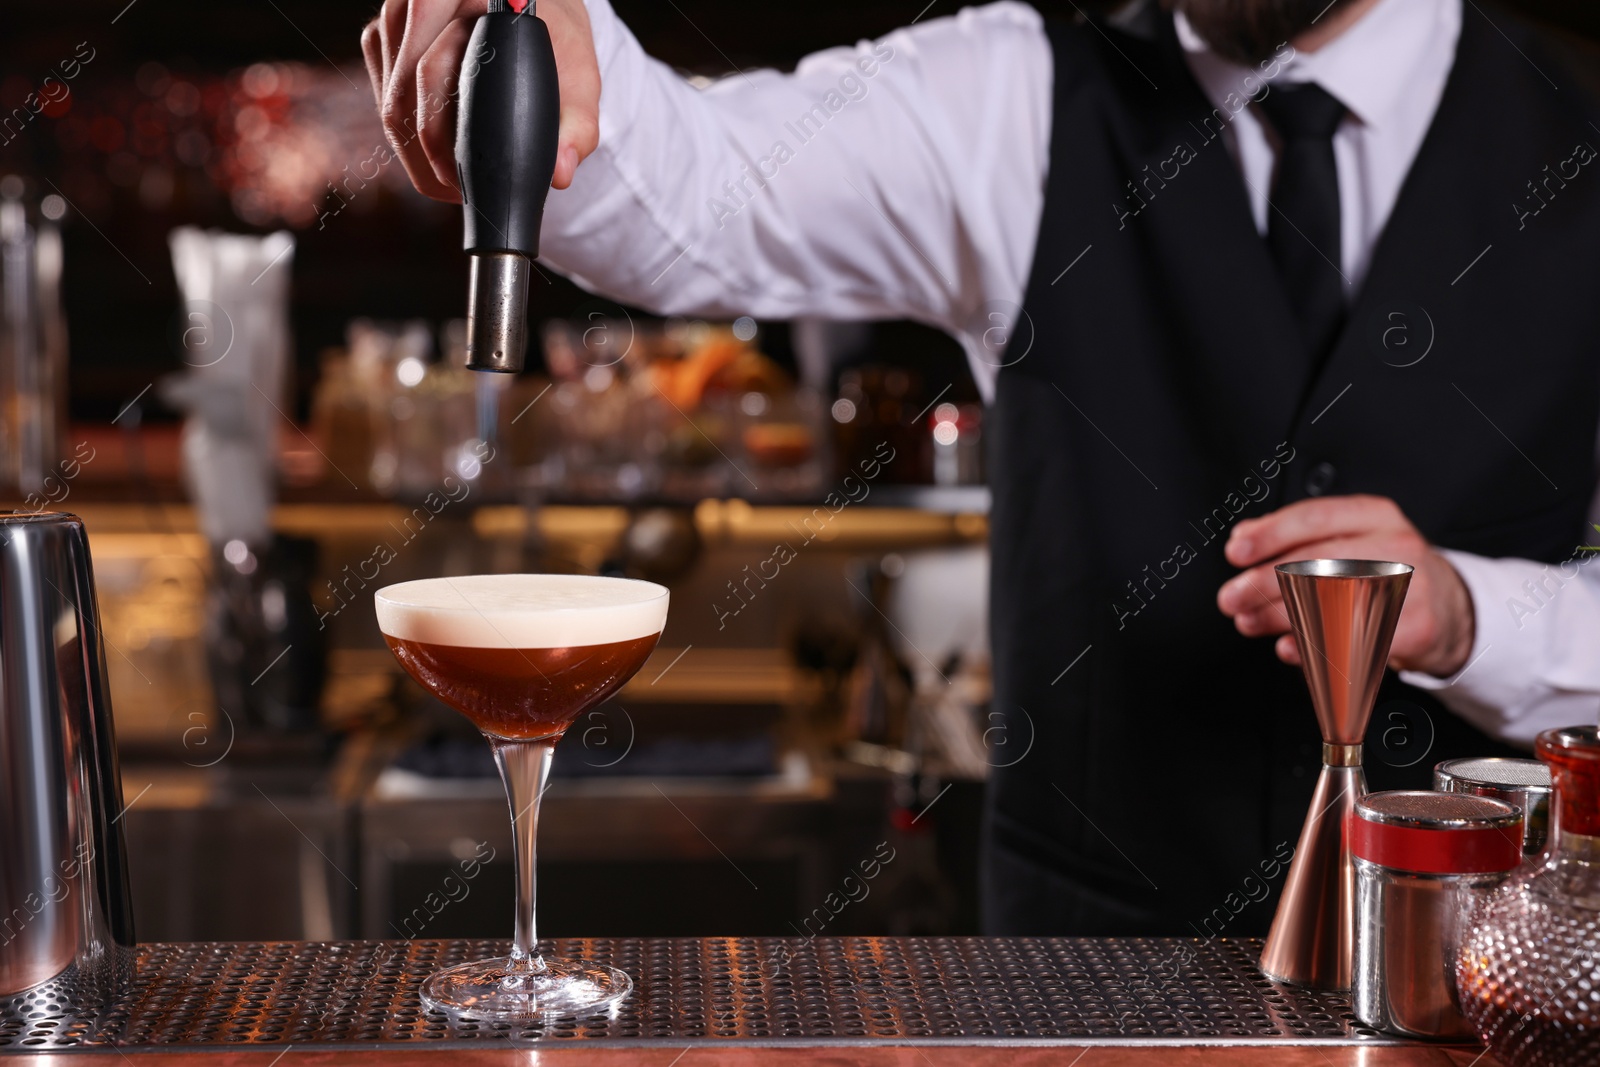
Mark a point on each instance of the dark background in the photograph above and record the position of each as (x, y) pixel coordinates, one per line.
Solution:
(392, 255)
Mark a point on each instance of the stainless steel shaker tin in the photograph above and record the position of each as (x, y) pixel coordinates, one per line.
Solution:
(66, 921)
(1423, 860)
(1522, 783)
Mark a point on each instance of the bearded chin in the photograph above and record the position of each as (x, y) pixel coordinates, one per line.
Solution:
(1250, 31)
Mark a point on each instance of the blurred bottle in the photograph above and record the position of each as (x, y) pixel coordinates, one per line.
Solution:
(877, 404)
(613, 435)
(33, 338)
(341, 418)
(264, 643)
(957, 434)
(392, 361)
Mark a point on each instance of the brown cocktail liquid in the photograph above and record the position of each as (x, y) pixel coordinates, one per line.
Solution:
(522, 694)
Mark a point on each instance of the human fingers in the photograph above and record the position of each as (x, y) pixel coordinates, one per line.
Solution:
(409, 31)
(1296, 525)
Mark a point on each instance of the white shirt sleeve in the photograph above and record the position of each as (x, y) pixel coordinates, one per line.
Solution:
(1535, 661)
(902, 178)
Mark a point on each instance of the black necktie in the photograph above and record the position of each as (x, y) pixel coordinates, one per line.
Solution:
(1303, 221)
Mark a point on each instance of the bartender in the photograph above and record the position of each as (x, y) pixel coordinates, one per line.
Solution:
(1243, 281)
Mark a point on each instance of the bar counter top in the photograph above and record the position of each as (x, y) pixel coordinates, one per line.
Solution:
(834, 1056)
(729, 1002)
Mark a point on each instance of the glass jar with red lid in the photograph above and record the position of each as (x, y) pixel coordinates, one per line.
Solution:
(1529, 969)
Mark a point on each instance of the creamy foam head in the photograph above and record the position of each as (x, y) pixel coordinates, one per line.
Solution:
(522, 610)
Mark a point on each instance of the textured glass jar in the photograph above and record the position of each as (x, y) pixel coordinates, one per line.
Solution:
(1529, 970)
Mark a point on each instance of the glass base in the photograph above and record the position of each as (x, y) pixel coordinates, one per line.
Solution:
(487, 990)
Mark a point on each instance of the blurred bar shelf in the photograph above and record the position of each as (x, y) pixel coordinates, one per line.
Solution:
(940, 499)
(142, 467)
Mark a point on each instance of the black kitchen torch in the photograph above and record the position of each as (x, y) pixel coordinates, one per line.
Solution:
(510, 113)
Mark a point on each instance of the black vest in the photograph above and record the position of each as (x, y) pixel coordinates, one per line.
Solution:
(1157, 391)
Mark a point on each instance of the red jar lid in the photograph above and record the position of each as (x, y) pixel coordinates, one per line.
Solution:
(1436, 833)
(1573, 754)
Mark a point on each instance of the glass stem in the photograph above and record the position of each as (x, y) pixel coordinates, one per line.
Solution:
(524, 767)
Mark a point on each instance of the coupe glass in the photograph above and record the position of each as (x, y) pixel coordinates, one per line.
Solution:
(522, 656)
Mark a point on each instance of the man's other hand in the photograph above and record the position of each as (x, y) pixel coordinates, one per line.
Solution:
(414, 51)
(1436, 626)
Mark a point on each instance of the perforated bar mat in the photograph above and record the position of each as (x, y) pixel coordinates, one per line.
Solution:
(752, 991)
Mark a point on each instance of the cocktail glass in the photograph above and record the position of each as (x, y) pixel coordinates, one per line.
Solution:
(522, 656)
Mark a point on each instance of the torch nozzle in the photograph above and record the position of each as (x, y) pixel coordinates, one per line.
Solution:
(497, 311)
(509, 117)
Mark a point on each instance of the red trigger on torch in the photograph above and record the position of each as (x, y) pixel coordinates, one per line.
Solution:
(519, 6)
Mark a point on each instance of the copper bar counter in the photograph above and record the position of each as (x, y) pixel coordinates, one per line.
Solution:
(732, 1001)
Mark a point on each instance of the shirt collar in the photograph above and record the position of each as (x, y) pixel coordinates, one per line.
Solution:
(1368, 67)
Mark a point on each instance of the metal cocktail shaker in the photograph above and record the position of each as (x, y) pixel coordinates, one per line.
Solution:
(66, 921)
(1522, 783)
(1423, 861)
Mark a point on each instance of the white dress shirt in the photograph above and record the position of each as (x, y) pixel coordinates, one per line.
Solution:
(905, 178)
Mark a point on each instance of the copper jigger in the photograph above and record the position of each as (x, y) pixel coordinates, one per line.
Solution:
(1344, 613)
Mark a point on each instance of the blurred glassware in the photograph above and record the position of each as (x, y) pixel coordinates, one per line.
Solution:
(265, 656)
(784, 437)
(33, 339)
(612, 432)
(265, 644)
(957, 435)
(1529, 969)
(598, 341)
(342, 417)
(877, 404)
(234, 343)
(662, 409)
(392, 360)
(937, 606)
(675, 411)
(877, 695)
(392, 419)
(610, 436)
